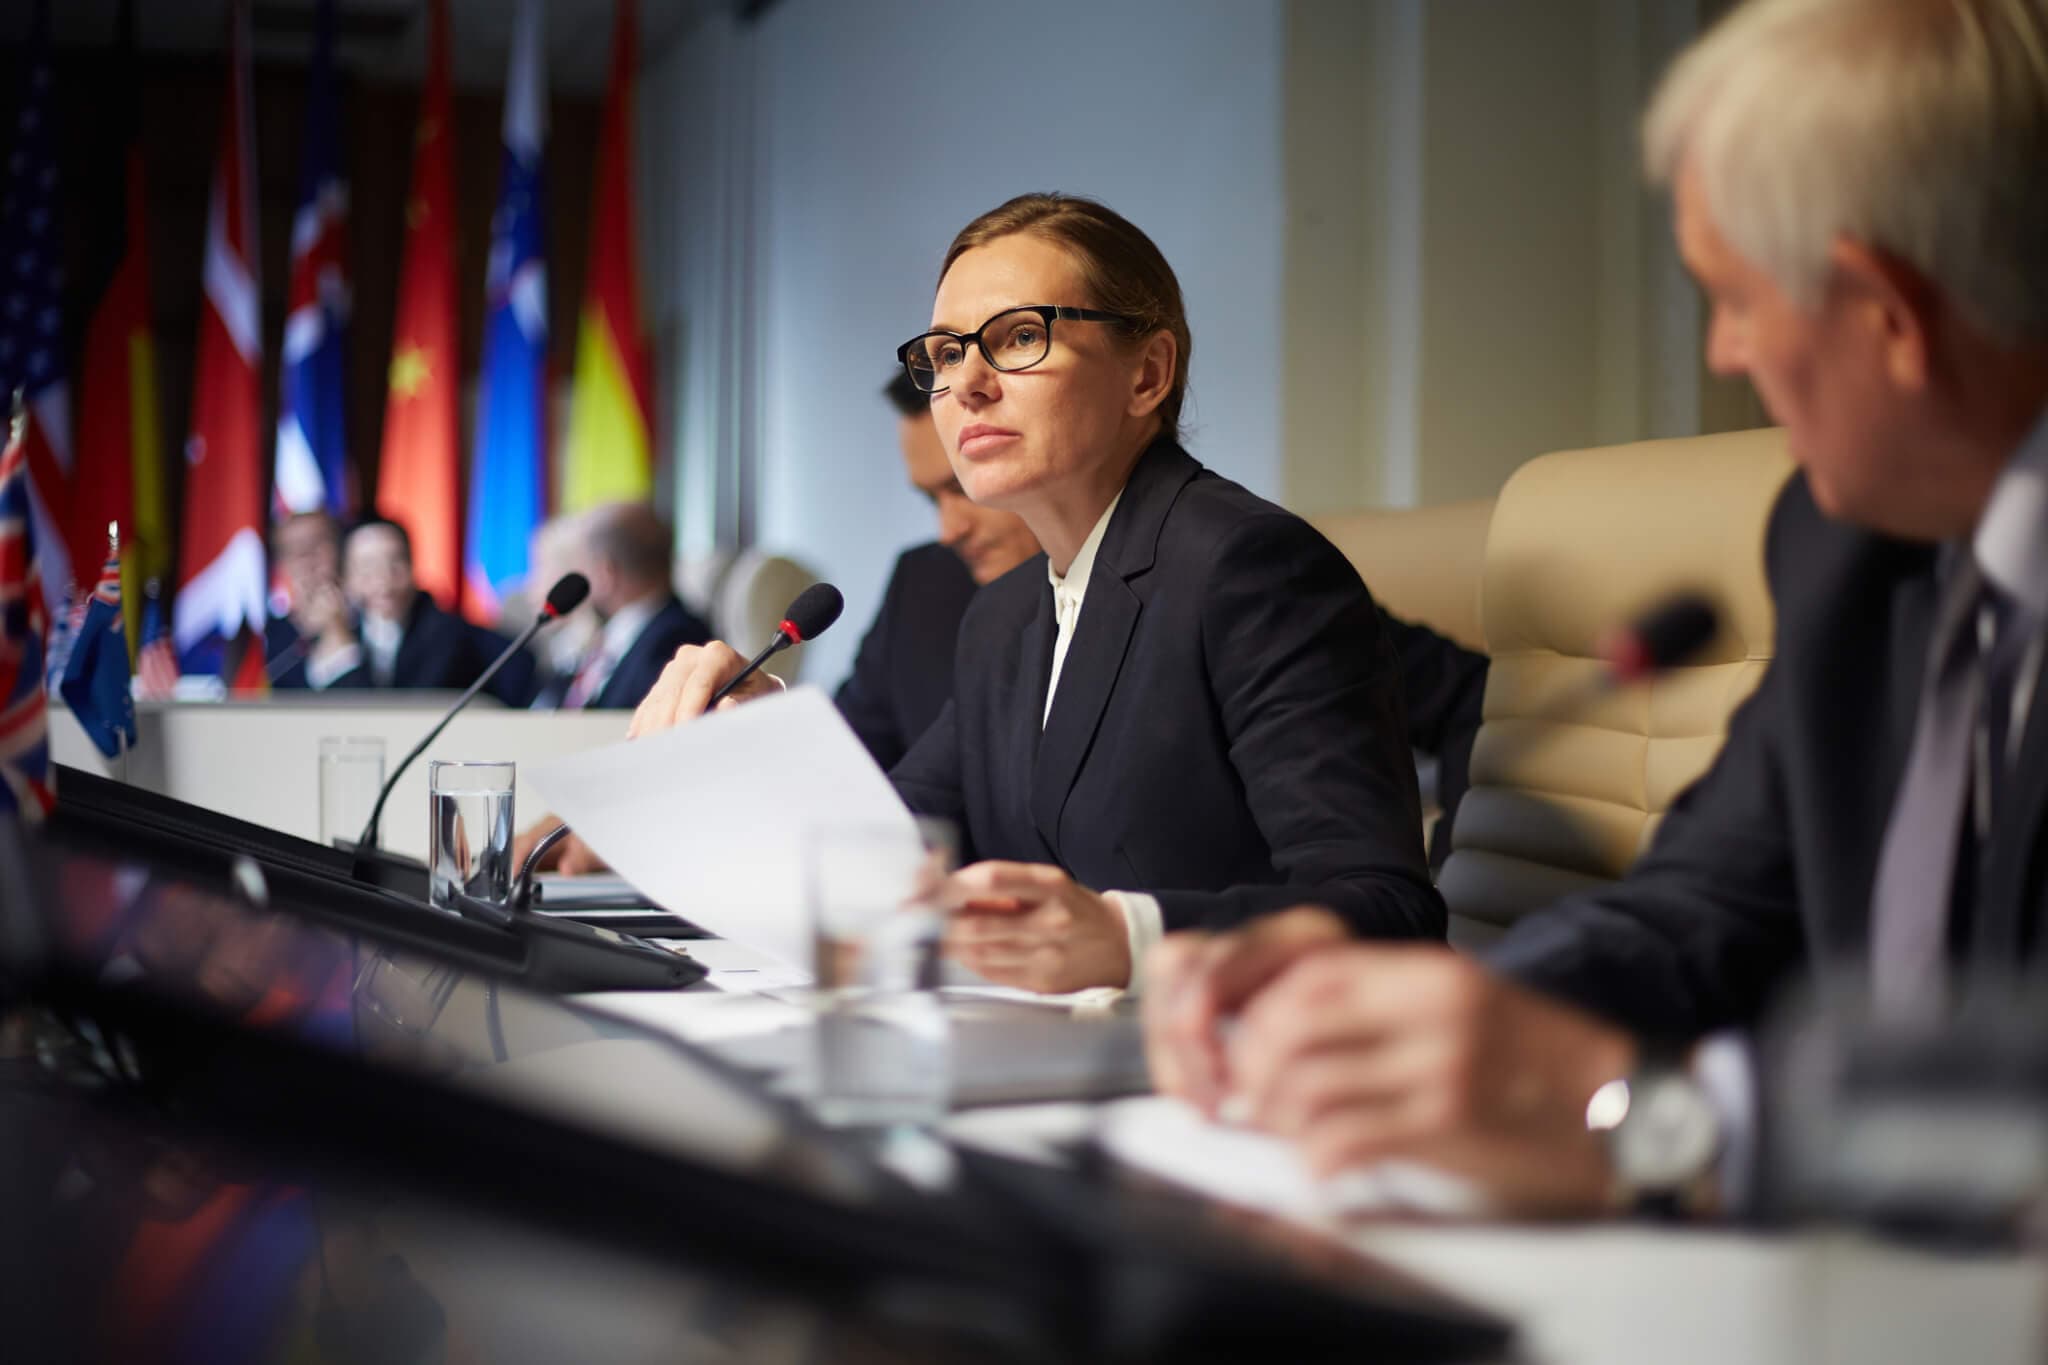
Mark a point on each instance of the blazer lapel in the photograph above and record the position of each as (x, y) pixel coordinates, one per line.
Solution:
(1094, 657)
(1109, 616)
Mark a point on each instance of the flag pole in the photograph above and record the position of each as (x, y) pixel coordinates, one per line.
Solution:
(120, 734)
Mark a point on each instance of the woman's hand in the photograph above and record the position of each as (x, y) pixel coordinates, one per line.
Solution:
(684, 688)
(1033, 926)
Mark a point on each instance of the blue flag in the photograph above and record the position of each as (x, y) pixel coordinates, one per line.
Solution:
(507, 481)
(311, 470)
(95, 684)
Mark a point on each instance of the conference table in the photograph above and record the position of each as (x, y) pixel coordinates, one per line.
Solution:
(1601, 1293)
(1590, 1292)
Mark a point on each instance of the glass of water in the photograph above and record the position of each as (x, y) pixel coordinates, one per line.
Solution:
(882, 1044)
(469, 838)
(351, 775)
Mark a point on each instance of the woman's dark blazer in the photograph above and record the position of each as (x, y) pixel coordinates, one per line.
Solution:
(1227, 733)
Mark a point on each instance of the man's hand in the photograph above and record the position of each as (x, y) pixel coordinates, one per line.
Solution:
(1195, 981)
(1359, 1053)
(322, 617)
(572, 855)
(1033, 926)
(684, 688)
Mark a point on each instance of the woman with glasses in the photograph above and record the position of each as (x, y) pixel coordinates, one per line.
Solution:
(1185, 713)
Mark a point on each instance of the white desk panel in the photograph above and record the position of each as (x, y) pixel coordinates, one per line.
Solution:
(260, 760)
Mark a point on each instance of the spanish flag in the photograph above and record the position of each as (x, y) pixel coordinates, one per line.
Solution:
(120, 451)
(609, 451)
(419, 475)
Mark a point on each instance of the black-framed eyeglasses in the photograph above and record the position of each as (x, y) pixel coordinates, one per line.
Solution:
(1014, 339)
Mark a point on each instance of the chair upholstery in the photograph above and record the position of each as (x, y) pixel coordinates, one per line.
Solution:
(1422, 564)
(742, 595)
(1569, 780)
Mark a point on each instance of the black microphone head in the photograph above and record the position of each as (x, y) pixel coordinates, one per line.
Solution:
(567, 595)
(1665, 636)
(814, 610)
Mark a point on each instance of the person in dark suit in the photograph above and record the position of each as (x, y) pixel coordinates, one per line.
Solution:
(375, 628)
(903, 675)
(1881, 804)
(1189, 696)
(307, 644)
(629, 554)
(1443, 691)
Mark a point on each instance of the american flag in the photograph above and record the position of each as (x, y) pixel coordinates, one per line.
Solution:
(156, 663)
(24, 621)
(32, 314)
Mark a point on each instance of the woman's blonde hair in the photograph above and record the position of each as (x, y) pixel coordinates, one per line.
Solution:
(1120, 267)
(1916, 126)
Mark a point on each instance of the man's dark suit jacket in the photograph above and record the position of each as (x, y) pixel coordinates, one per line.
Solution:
(667, 631)
(1767, 862)
(1227, 733)
(1443, 686)
(438, 651)
(903, 675)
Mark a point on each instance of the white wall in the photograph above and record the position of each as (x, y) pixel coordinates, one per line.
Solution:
(878, 130)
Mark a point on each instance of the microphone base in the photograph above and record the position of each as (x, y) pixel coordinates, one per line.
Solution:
(569, 956)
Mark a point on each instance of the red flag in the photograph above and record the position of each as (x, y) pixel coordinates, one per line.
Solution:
(419, 475)
(218, 616)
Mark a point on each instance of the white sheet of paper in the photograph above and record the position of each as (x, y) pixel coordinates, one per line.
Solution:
(709, 819)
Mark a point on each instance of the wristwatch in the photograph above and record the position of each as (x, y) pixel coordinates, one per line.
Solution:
(1662, 1134)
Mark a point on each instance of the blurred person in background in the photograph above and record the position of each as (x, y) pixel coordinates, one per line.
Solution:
(311, 643)
(396, 636)
(903, 675)
(627, 553)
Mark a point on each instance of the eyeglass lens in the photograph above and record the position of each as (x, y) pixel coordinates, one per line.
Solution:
(1011, 341)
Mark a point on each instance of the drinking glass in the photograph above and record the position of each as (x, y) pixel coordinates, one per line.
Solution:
(469, 838)
(882, 1044)
(351, 775)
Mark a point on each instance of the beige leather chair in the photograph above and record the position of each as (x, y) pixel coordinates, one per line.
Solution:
(1568, 783)
(1422, 564)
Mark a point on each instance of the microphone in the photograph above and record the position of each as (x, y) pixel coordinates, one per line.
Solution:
(1663, 637)
(808, 617)
(567, 595)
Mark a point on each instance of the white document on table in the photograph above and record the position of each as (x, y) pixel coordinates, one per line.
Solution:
(710, 819)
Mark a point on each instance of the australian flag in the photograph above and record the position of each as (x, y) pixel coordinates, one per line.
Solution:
(24, 625)
(507, 484)
(312, 442)
(95, 684)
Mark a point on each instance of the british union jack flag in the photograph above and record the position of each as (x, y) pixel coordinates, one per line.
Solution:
(24, 625)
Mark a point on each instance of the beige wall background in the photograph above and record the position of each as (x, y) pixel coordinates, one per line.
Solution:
(1474, 272)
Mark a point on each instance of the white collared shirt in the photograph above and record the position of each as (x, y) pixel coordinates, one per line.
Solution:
(2011, 549)
(381, 640)
(1069, 591)
(1144, 921)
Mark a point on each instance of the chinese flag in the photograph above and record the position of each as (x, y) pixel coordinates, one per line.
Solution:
(419, 476)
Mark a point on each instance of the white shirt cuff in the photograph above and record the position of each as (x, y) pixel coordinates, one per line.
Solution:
(323, 669)
(1144, 925)
(1725, 1070)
